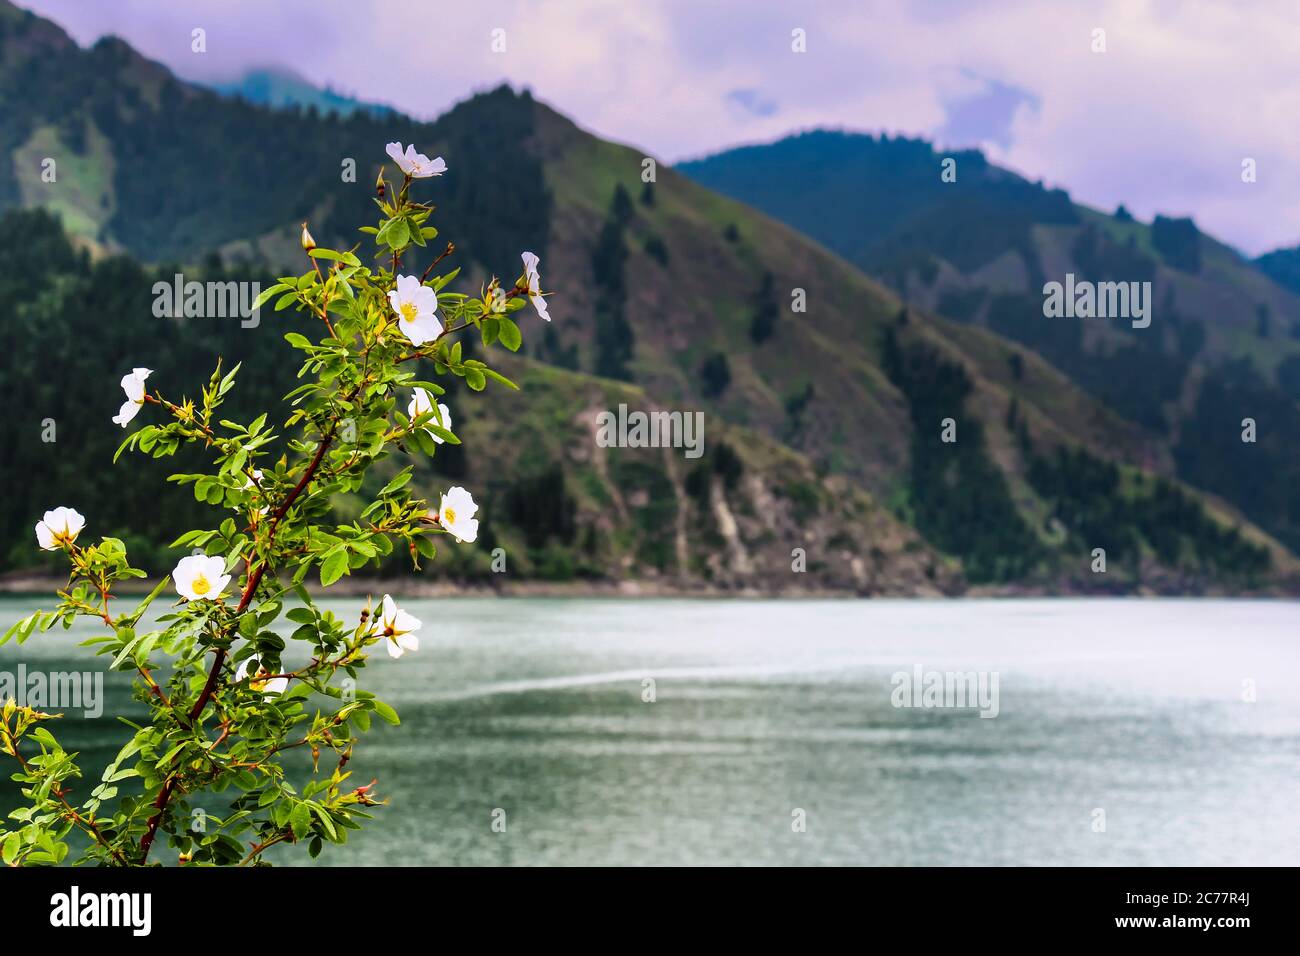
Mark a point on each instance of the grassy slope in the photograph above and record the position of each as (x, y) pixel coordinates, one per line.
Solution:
(639, 514)
(857, 422)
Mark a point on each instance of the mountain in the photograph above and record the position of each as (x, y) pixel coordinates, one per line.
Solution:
(1224, 344)
(898, 450)
(281, 88)
(563, 508)
(1283, 267)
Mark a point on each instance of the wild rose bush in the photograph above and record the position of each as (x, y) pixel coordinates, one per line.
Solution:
(223, 711)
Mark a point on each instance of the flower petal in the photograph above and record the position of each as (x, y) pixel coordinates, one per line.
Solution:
(45, 537)
(425, 328)
(540, 305)
(127, 412)
(404, 622)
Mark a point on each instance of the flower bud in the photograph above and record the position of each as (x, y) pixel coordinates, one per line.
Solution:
(379, 183)
(308, 243)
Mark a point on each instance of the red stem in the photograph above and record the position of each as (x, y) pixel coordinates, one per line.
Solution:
(209, 688)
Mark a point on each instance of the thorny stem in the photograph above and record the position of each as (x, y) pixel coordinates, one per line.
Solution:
(257, 850)
(451, 247)
(256, 574)
(250, 588)
(322, 313)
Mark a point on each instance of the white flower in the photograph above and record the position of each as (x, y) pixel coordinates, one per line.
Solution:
(58, 527)
(199, 576)
(421, 404)
(133, 385)
(498, 300)
(416, 165)
(416, 306)
(396, 625)
(535, 285)
(262, 679)
(456, 514)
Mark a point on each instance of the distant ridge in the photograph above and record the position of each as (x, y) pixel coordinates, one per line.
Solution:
(280, 88)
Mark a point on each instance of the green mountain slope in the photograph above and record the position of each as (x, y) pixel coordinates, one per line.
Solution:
(563, 508)
(825, 425)
(1224, 344)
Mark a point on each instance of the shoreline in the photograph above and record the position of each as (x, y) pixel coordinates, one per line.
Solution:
(41, 585)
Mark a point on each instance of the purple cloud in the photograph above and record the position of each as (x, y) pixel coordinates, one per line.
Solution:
(1161, 120)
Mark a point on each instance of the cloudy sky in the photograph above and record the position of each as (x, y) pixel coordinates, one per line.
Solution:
(1162, 120)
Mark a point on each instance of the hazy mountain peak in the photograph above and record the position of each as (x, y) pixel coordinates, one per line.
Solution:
(280, 87)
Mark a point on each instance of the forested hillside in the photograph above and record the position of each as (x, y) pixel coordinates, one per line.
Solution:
(1223, 346)
(828, 401)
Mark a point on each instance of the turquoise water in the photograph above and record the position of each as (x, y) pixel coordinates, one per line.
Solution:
(767, 712)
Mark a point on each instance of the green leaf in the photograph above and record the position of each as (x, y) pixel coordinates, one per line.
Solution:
(327, 821)
(497, 376)
(191, 537)
(424, 441)
(47, 738)
(509, 334)
(395, 234)
(440, 282)
(300, 820)
(397, 482)
(265, 295)
(344, 257)
(167, 757)
(21, 628)
(442, 433)
(333, 567)
(385, 712)
(131, 640)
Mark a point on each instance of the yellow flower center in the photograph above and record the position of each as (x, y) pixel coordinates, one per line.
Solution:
(408, 311)
(449, 515)
(201, 585)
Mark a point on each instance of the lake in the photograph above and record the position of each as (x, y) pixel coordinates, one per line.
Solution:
(612, 732)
